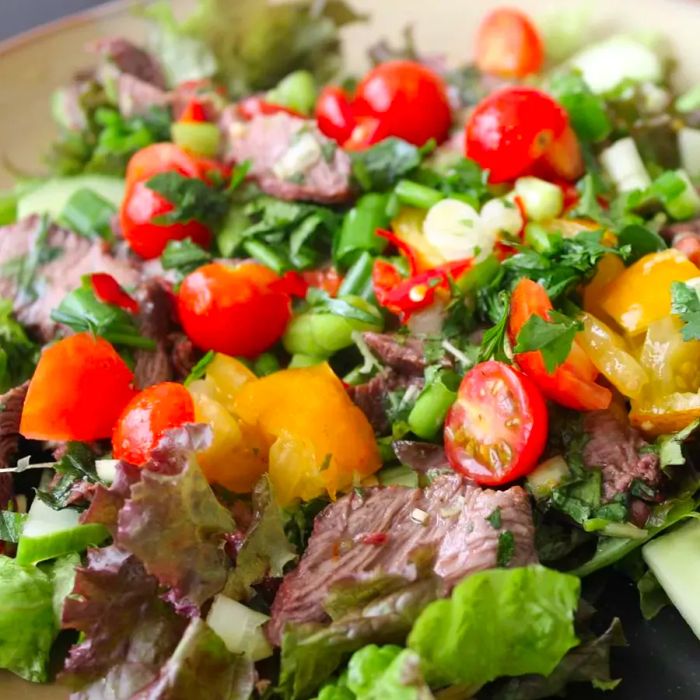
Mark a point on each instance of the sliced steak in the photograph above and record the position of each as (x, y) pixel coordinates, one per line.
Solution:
(39, 266)
(421, 456)
(620, 452)
(290, 158)
(130, 59)
(405, 354)
(360, 537)
(183, 354)
(11, 404)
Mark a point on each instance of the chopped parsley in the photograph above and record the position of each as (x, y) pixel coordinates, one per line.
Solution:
(506, 548)
(495, 519)
(685, 303)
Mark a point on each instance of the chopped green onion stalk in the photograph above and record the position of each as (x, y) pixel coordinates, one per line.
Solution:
(480, 275)
(414, 194)
(198, 137)
(266, 255)
(686, 204)
(358, 279)
(429, 411)
(88, 214)
(296, 91)
(359, 230)
(305, 361)
(624, 165)
(541, 199)
(537, 237)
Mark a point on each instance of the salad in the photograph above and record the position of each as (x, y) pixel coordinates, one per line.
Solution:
(317, 385)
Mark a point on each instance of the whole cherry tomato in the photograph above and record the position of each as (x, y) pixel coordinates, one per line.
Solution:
(139, 212)
(78, 390)
(497, 428)
(507, 44)
(516, 129)
(334, 114)
(407, 99)
(237, 310)
(572, 383)
(147, 417)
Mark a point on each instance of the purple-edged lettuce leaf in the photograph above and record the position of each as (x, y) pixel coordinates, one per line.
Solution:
(168, 516)
(201, 666)
(265, 550)
(128, 632)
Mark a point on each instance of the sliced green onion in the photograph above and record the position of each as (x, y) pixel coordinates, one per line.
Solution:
(611, 529)
(624, 165)
(266, 364)
(429, 411)
(358, 279)
(202, 138)
(296, 91)
(538, 238)
(480, 275)
(413, 194)
(88, 214)
(541, 199)
(266, 255)
(689, 150)
(686, 204)
(299, 360)
(359, 230)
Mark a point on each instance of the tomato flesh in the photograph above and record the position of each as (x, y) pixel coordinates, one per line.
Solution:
(572, 383)
(334, 114)
(237, 310)
(507, 44)
(516, 129)
(109, 291)
(167, 157)
(147, 417)
(139, 210)
(78, 390)
(496, 430)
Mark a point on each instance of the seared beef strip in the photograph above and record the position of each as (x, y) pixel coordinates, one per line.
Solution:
(388, 531)
(405, 354)
(60, 258)
(130, 59)
(11, 404)
(290, 158)
(620, 452)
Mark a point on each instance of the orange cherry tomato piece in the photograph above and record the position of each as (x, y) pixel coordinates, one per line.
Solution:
(237, 310)
(496, 430)
(508, 44)
(147, 417)
(78, 390)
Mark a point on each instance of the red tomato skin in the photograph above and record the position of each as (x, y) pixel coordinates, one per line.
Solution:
(256, 105)
(140, 207)
(241, 310)
(147, 417)
(572, 384)
(109, 291)
(334, 114)
(508, 44)
(511, 129)
(409, 100)
(79, 388)
(497, 406)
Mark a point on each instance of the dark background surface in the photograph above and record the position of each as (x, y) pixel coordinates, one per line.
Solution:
(662, 661)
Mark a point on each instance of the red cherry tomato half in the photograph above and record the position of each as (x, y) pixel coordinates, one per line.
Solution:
(408, 99)
(334, 114)
(255, 105)
(78, 390)
(237, 310)
(167, 157)
(507, 44)
(138, 214)
(515, 128)
(109, 291)
(195, 111)
(572, 383)
(147, 417)
(496, 430)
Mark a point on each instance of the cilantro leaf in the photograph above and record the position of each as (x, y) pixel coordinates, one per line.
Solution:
(588, 206)
(494, 344)
(552, 338)
(184, 256)
(192, 199)
(383, 165)
(685, 303)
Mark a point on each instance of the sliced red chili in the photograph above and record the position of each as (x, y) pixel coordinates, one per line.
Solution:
(108, 291)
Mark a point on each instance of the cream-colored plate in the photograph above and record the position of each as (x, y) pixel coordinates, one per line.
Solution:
(32, 65)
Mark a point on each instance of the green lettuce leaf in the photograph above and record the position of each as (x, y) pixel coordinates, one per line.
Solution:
(501, 622)
(265, 550)
(31, 599)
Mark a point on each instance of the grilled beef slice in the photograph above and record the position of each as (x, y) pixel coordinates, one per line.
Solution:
(39, 266)
(290, 158)
(388, 531)
(11, 404)
(620, 452)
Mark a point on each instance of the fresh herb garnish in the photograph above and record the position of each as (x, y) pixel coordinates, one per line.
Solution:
(685, 303)
(494, 519)
(494, 344)
(506, 548)
(381, 166)
(553, 338)
(184, 256)
(320, 302)
(200, 369)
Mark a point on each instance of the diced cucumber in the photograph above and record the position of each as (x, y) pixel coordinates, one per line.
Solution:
(624, 165)
(51, 196)
(608, 63)
(49, 533)
(675, 561)
(240, 628)
(547, 476)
